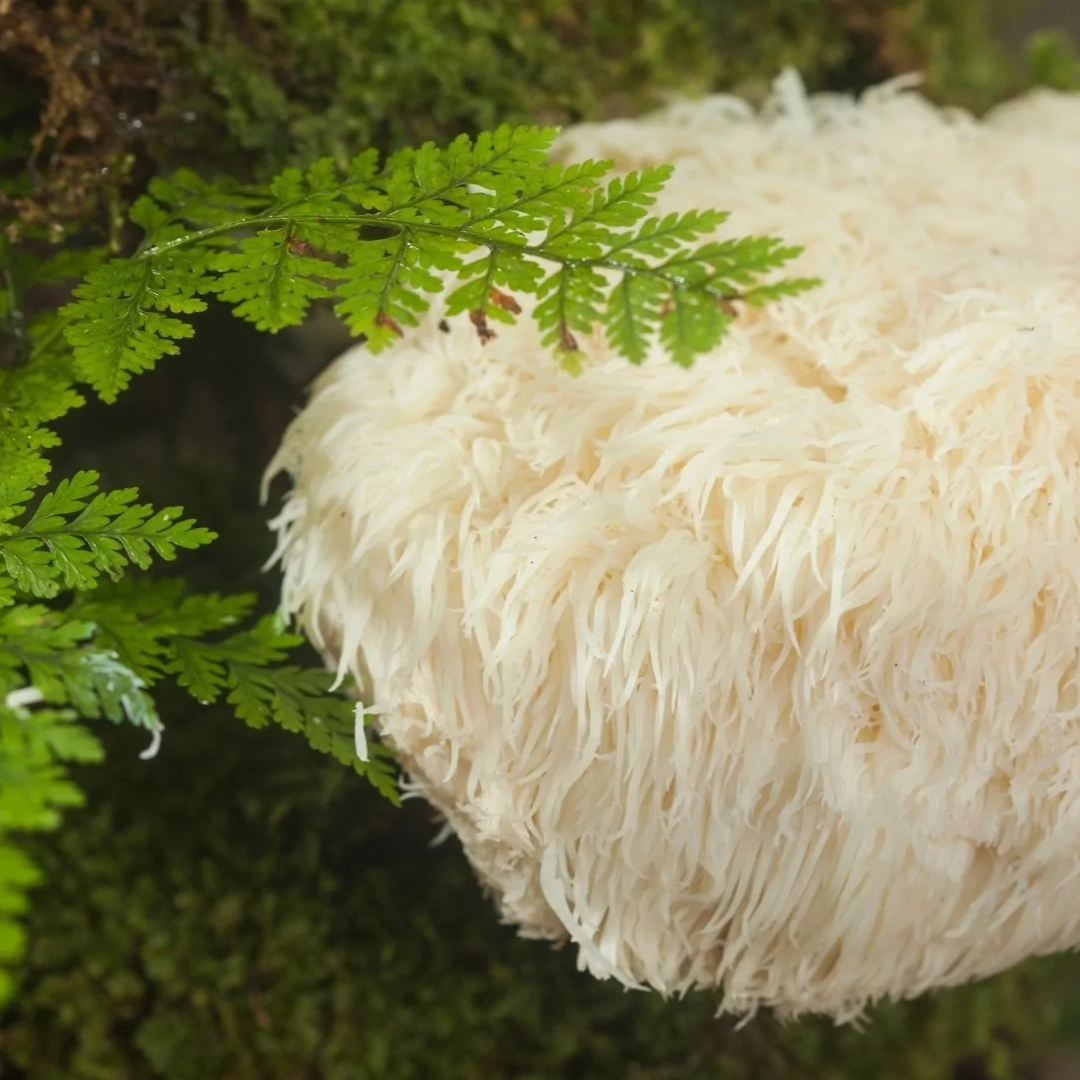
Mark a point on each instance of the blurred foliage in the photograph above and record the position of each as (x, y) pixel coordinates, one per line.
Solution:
(1052, 60)
(249, 86)
(237, 910)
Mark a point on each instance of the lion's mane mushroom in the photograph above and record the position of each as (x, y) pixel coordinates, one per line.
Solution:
(761, 675)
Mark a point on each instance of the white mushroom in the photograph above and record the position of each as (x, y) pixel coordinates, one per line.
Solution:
(761, 675)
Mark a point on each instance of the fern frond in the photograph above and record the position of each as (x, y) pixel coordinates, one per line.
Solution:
(18, 876)
(158, 631)
(34, 750)
(246, 669)
(98, 657)
(77, 533)
(595, 225)
(142, 620)
(636, 304)
(298, 700)
(59, 658)
(384, 287)
(184, 198)
(42, 388)
(124, 321)
(572, 298)
(487, 220)
(39, 387)
(736, 262)
(693, 322)
(28, 396)
(659, 237)
(758, 295)
(270, 279)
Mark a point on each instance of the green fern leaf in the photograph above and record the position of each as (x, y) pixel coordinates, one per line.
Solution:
(383, 290)
(57, 656)
(77, 533)
(123, 321)
(184, 199)
(33, 394)
(758, 295)
(594, 227)
(659, 237)
(199, 669)
(34, 750)
(633, 308)
(693, 325)
(246, 668)
(17, 876)
(734, 263)
(270, 280)
(484, 220)
(145, 622)
(298, 701)
(570, 299)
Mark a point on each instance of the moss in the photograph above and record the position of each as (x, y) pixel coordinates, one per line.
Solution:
(246, 86)
(286, 79)
(356, 73)
(235, 911)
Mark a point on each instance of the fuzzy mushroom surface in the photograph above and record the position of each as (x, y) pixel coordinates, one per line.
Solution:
(761, 675)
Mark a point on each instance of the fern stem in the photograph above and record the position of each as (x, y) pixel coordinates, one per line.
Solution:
(463, 235)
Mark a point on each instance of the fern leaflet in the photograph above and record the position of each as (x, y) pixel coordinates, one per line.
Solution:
(77, 533)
